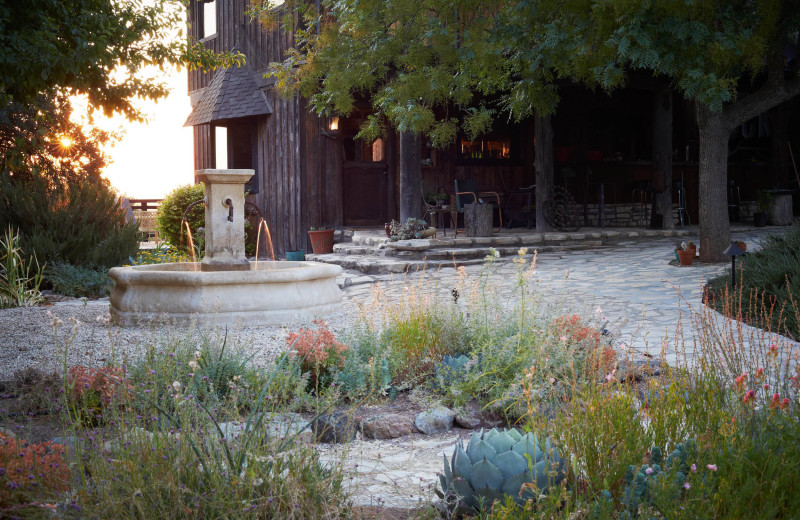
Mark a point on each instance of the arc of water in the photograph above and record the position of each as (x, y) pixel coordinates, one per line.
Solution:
(268, 236)
(191, 242)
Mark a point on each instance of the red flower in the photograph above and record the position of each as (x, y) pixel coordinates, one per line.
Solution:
(741, 380)
(749, 396)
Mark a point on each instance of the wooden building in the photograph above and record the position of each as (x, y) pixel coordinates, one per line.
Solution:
(311, 171)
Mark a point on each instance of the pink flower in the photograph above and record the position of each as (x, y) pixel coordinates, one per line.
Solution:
(552, 380)
(693, 468)
(760, 372)
(609, 377)
(766, 387)
(741, 380)
(784, 403)
(712, 467)
(776, 400)
(649, 471)
(749, 396)
(563, 338)
(686, 485)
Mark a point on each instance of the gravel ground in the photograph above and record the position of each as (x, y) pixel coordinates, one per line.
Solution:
(37, 337)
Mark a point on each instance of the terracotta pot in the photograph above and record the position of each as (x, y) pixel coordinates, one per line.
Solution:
(685, 257)
(693, 249)
(321, 241)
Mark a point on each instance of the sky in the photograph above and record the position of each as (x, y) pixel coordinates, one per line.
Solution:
(155, 157)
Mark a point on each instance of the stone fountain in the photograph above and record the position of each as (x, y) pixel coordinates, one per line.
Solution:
(225, 287)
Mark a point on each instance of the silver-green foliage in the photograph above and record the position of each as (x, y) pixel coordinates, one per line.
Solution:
(499, 463)
(19, 280)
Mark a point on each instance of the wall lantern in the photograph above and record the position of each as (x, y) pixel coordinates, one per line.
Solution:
(333, 128)
(733, 251)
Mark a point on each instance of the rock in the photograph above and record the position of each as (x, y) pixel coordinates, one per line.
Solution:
(276, 426)
(335, 427)
(6, 432)
(470, 416)
(410, 245)
(629, 370)
(437, 420)
(387, 426)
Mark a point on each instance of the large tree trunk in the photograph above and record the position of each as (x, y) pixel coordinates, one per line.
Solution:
(543, 164)
(662, 155)
(410, 176)
(715, 230)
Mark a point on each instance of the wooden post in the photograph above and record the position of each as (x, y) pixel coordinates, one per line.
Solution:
(410, 176)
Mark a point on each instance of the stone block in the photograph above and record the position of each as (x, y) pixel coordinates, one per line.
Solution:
(437, 420)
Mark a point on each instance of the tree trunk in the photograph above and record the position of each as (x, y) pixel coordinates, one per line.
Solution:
(662, 155)
(715, 230)
(543, 164)
(410, 176)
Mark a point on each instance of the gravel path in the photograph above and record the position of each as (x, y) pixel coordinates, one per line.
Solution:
(633, 284)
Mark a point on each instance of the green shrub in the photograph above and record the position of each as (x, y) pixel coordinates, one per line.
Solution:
(78, 281)
(170, 215)
(18, 286)
(161, 254)
(771, 273)
(80, 223)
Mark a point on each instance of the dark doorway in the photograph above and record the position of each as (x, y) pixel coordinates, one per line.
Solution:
(365, 177)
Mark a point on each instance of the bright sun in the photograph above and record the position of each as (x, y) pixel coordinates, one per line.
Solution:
(66, 142)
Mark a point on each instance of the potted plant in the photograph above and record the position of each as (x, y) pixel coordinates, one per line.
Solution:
(741, 245)
(685, 255)
(438, 198)
(764, 205)
(321, 240)
(692, 247)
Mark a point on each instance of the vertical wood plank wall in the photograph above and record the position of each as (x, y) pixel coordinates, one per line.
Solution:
(300, 170)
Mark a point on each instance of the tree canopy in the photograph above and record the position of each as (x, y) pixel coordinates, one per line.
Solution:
(437, 67)
(95, 47)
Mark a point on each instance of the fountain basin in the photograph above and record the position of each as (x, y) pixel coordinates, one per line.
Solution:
(271, 293)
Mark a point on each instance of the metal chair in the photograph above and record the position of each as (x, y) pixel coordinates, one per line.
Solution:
(467, 193)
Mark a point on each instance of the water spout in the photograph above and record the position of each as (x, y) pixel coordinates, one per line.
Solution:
(228, 202)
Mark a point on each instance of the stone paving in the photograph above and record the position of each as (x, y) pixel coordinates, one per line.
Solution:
(631, 283)
(637, 291)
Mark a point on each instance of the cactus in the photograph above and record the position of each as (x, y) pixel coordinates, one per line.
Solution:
(495, 464)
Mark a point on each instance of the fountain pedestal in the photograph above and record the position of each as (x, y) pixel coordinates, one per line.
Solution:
(224, 219)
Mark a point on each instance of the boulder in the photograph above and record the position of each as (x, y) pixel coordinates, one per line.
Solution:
(437, 420)
(333, 428)
(387, 426)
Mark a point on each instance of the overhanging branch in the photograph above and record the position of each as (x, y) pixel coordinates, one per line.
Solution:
(768, 96)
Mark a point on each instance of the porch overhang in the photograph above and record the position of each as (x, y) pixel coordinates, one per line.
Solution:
(232, 94)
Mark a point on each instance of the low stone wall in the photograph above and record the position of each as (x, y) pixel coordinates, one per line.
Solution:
(618, 215)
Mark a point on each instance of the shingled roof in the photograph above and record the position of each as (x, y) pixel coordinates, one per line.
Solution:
(233, 93)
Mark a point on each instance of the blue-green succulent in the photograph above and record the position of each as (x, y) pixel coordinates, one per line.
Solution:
(499, 463)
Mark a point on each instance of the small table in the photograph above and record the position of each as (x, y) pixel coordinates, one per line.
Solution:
(441, 218)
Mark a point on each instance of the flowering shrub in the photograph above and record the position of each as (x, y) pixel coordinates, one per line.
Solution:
(572, 330)
(319, 351)
(30, 468)
(93, 389)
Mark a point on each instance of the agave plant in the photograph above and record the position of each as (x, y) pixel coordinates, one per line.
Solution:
(495, 464)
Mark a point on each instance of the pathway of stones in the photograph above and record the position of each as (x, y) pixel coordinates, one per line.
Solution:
(630, 285)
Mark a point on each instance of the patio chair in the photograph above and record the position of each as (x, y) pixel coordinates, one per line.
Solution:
(467, 193)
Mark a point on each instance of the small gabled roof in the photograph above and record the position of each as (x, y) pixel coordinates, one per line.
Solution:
(233, 93)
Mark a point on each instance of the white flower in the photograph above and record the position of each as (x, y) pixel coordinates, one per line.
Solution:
(197, 354)
(496, 253)
(193, 365)
(522, 251)
(176, 385)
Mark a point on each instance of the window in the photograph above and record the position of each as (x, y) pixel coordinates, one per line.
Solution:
(221, 147)
(209, 19)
